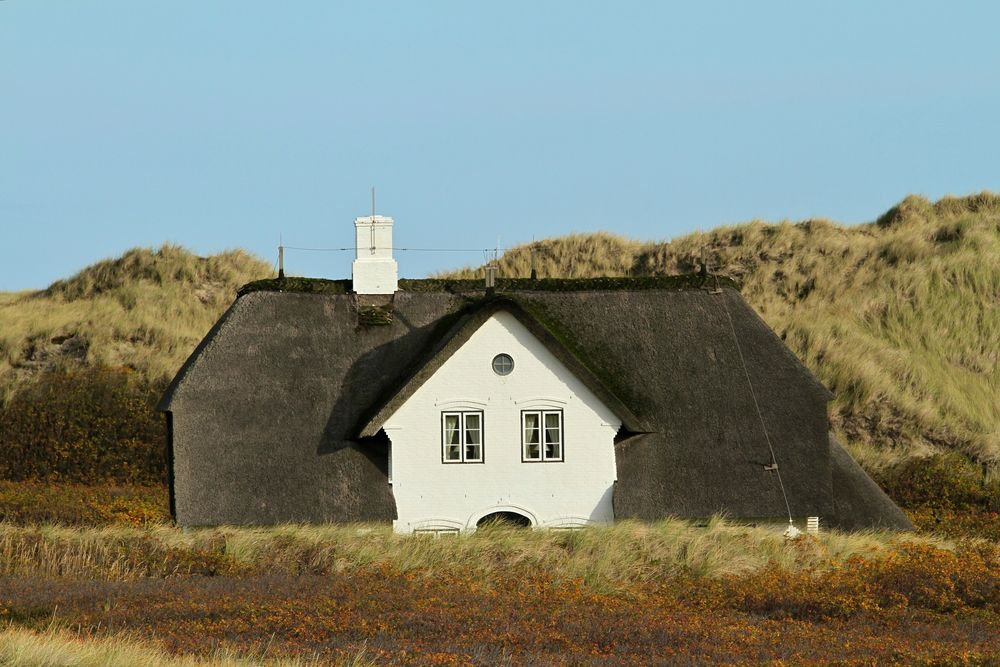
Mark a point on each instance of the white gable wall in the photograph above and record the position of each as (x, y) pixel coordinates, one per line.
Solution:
(431, 494)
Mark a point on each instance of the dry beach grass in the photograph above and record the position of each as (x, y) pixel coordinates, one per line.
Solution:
(55, 647)
(605, 558)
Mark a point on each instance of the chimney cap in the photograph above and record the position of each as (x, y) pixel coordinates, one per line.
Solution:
(373, 220)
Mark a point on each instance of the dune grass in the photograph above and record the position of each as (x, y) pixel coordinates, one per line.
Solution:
(20, 647)
(145, 310)
(900, 317)
(605, 557)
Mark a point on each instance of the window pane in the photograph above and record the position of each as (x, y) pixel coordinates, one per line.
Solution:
(553, 435)
(532, 435)
(473, 452)
(452, 437)
(503, 364)
(451, 432)
(531, 428)
(552, 427)
(473, 433)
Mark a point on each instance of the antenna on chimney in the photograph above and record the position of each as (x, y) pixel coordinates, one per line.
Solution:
(534, 270)
(372, 243)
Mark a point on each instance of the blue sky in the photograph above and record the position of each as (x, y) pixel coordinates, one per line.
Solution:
(224, 124)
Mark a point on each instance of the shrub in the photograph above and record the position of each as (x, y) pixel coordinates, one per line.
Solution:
(969, 523)
(32, 503)
(945, 481)
(85, 425)
(912, 575)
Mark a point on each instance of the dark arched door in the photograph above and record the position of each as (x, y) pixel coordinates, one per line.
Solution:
(504, 520)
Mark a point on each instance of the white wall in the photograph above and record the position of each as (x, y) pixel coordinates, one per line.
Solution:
(432, 494)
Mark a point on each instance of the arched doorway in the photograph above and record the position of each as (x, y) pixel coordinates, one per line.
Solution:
(504, 520)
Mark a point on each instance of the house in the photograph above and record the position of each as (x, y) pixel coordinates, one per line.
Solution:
(438, 404)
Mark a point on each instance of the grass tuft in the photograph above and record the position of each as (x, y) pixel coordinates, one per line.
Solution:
(55, 647)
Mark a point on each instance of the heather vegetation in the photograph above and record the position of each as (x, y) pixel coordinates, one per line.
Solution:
(626, 594)
(91, 425)
(35, 503)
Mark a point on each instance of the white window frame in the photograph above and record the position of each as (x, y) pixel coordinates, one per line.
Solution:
(462, 433)
(542, 458)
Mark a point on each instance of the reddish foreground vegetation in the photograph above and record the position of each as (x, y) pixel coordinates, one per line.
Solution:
(910, 603)
(915, 605)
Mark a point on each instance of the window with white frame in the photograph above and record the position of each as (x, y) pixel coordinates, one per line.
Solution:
(462, 437)
(542, 435)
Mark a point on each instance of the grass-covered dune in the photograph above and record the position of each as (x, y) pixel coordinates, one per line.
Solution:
(900, 317)
(145, 310)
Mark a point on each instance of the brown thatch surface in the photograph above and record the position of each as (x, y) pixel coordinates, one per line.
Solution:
(268, 412)
(858, 502)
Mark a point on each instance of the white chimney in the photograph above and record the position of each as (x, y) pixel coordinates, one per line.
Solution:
(374, 270)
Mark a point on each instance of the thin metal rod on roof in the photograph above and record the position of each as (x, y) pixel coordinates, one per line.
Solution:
(774, 461)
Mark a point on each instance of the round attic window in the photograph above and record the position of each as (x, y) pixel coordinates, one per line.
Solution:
(503, 364)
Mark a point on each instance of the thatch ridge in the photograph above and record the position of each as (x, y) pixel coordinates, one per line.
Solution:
(459, 286)
(164, 403)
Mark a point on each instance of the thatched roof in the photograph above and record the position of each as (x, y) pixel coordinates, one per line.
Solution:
(276, 415)
(858, 502)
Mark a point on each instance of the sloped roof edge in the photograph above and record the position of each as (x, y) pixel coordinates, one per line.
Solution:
(468, 323)
(206, 342)
(859, 503)
(814, 381)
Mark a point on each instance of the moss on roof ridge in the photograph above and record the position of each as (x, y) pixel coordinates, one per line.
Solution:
(343, 286)
(296, 284)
